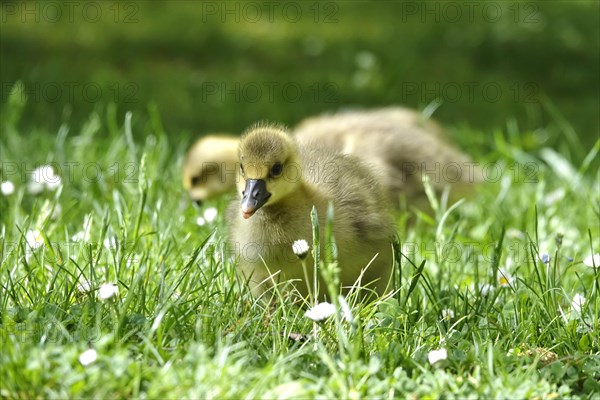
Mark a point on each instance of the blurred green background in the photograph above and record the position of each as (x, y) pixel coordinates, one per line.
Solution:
(220, 66)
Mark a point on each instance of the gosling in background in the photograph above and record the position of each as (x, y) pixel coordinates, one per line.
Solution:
(210, 167)
(280, 182)
(401, 144)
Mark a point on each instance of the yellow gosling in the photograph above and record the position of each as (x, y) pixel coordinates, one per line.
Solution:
(280, 183)
(210, 167)
(401, 144)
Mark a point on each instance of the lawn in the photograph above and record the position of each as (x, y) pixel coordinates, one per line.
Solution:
(113, 284)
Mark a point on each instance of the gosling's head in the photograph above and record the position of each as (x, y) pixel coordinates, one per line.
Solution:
(210, 167)
(268, 166)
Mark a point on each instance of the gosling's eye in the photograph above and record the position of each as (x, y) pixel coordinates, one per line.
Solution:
(276, 170)
(196, 180)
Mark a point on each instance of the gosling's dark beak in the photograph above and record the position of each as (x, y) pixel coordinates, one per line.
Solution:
(254, 196)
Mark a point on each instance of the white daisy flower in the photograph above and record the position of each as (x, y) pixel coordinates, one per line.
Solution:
(210, 214)
(300, 248)
(486, 289)
(592, 260)
(435, 356)
(504, 278)
(35, 187)
(7, 188)
(577, 303)
(84, 286)
(88, 357)
(321, 311)
(42, 174)
(79, 237)
(447, 314)
(34, 239)
(110, 243)
(54, 183)
(43, 178)
(108, 291)
(346, 312)
(365, 59)
(513, 233)
(200, 221)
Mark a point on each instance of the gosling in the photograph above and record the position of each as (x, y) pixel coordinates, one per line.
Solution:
(280, 182)
(401, 145)
(210, 167)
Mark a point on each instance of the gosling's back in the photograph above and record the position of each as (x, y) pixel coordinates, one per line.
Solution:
(400, 143)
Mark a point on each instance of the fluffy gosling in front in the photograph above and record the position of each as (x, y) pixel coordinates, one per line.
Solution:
(280, 182)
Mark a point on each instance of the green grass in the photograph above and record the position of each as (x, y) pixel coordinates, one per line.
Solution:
(183, 325)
